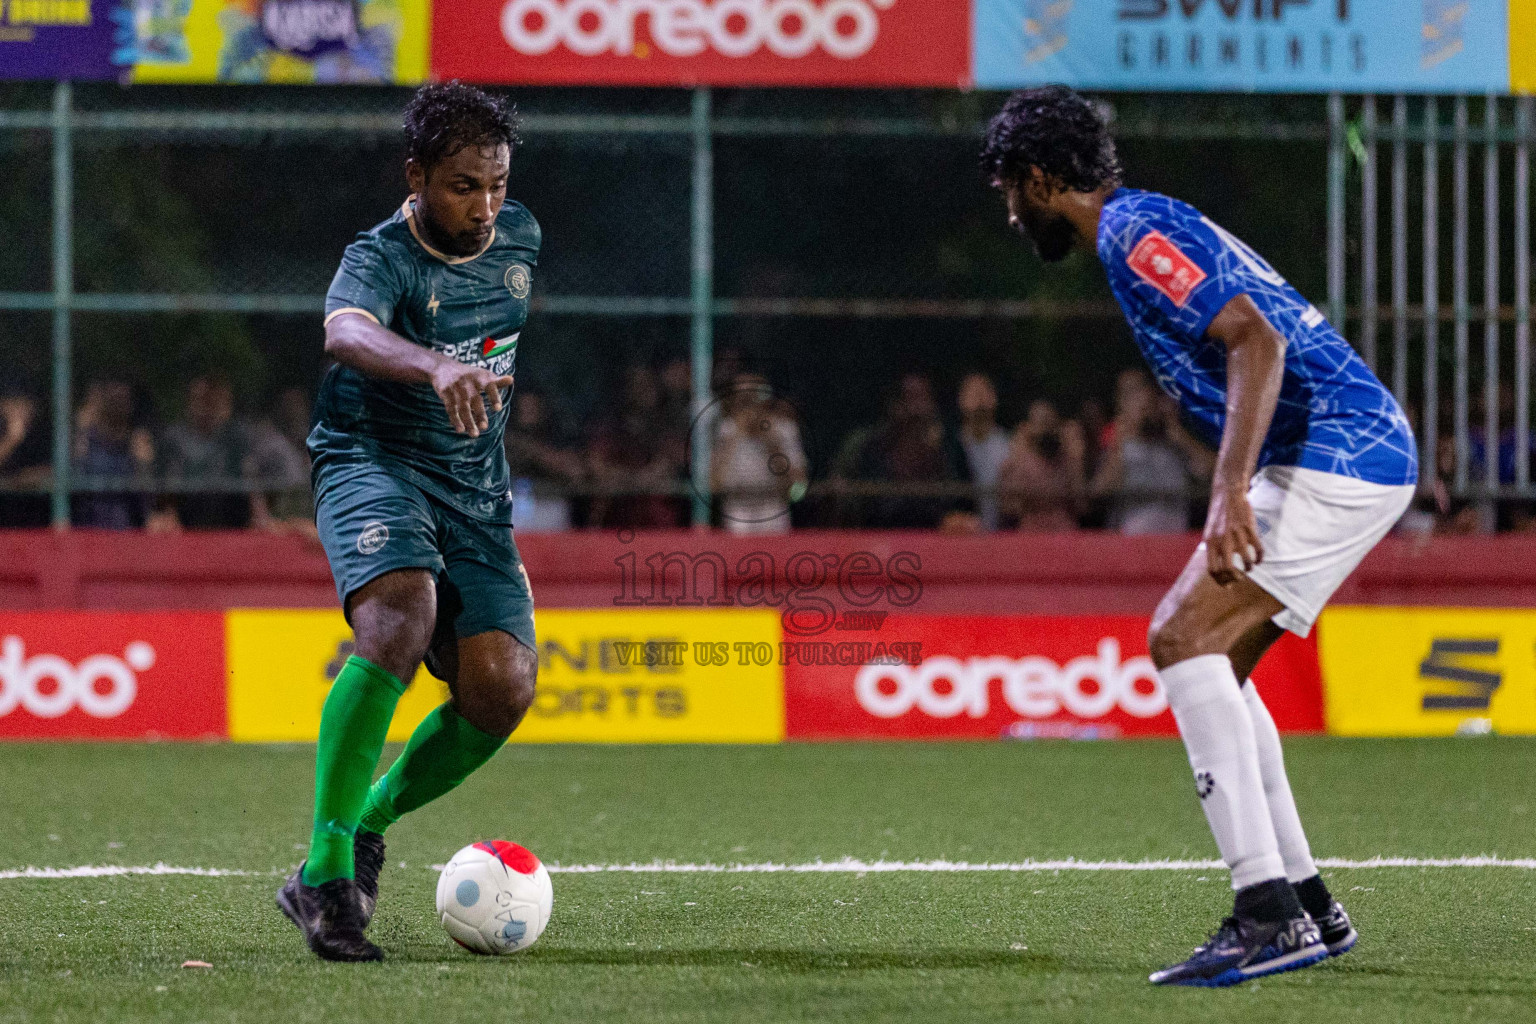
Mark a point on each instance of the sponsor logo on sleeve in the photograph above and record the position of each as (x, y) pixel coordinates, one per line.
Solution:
(1164, 266)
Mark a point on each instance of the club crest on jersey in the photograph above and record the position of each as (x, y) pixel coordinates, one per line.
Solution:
(519, 281)
(1161, 264)
(498, 346)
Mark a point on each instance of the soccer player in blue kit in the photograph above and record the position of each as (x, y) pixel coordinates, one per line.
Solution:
(413, 501)
(1315, 463)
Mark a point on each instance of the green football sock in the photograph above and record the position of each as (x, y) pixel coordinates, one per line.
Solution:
(352, 728)
(443, 751)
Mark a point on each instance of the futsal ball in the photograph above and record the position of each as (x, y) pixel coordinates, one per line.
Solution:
(494, 898)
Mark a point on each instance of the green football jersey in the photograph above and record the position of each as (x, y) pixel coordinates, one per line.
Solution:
(470, 308)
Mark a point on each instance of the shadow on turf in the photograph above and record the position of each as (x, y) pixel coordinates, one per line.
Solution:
(791, 960)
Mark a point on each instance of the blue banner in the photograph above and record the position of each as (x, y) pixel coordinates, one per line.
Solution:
(1444, 46)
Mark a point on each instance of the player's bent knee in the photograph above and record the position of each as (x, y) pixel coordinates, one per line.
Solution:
(494, 697)
(396, 643)
(1170, 642)
(498, 708)
(392, 622)
(522, 680)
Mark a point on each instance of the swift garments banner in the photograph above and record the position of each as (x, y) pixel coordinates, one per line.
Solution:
(1020, 677)
(1254, 45)
(707, 42)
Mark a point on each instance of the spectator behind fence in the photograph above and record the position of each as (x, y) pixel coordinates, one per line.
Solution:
(542, 460)
(205, 449)
(1095, 432)
(635, 450)
(909, 447)
(1510, 515)
(1461, 516)
(1095, 421)
(26, 459)
(276, 457)
(676, 382)
(984, 442)
(1041, 486)
(108, 447)
(1149, 462)
(757, 462)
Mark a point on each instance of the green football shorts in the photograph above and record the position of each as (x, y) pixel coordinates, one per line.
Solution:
(372, 522)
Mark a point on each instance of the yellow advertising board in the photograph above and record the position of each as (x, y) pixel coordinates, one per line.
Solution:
(1428, 671)
(604, 677)
(292, 42)
(1522, 46)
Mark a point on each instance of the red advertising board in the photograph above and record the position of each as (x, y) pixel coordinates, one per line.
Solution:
(704, 42)
(112, 675)
(984, 677)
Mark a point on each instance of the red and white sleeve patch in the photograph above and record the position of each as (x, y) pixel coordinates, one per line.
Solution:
(1161, 264)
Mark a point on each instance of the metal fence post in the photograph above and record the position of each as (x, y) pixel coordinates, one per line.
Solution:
(703, 273)
(1522, 291)
(1400, 249)
(1491, 294)
(1430, 435)
(63, 287)
(1459, 295)
(1368, 235)
(1336, 308)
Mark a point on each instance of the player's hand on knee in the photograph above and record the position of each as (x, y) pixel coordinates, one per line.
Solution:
(467, 393)
(1232, 544)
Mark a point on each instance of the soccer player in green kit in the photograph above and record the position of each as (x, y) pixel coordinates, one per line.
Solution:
(412, 500)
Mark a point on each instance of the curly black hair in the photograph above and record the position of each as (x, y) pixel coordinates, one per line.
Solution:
(444, 117)
(1056, 130)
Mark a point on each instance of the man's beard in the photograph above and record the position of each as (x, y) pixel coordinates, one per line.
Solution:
(1052, 235)
(454, 245)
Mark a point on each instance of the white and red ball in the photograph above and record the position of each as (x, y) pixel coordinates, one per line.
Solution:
(494, 897)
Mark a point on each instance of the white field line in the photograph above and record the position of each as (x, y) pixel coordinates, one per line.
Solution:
(847, 865)
(111, 870)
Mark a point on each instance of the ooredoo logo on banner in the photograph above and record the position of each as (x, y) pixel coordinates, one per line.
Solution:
(710, 42)
(107, 675)
(1022, 677)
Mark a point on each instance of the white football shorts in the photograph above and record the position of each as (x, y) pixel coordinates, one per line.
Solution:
(1316, 528)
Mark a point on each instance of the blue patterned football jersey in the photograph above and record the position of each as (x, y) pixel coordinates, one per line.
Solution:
(1172, 270)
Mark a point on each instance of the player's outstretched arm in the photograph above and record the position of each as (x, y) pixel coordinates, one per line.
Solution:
(1255, 368)
(355, 340)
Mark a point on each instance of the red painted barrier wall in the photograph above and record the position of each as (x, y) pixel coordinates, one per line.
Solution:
(1083, 573)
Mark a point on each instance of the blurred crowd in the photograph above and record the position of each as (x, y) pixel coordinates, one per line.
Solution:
(930, 461)
(207, 470)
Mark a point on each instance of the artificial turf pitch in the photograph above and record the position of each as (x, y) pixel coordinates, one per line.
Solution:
(1449, 943)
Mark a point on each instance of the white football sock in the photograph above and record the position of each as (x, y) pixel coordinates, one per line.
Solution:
(1218, 734)
(1277, 790)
